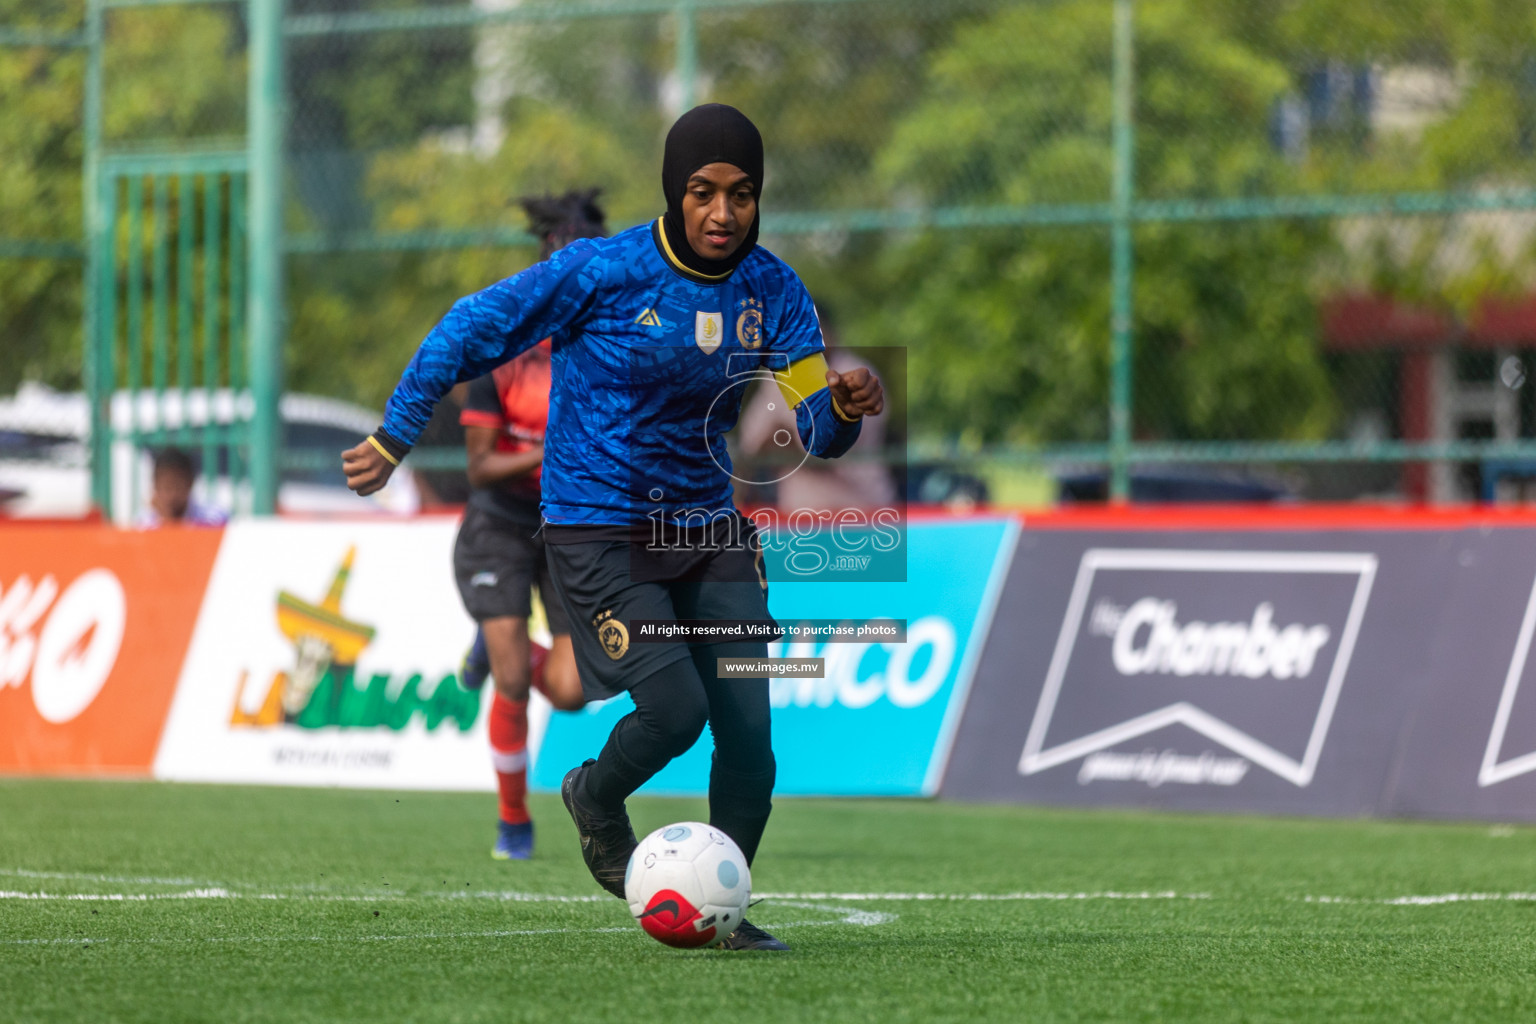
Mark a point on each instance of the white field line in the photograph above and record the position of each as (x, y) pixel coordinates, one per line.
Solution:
(1431, 900)
(983, 897)
(841, 916)
(510, 896)
(497, 934)
(504, 933)
(74, 876)
(807, 900)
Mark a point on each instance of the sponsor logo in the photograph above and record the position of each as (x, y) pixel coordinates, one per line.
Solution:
(1248, 649)
(1155, 768)
(483, 579)
(324, 688)
(749, 324)
(1148, 639)
(907, 675)
(648, 319)
(67, 647)
(1493, 770)
(708, 331)
(671, 919)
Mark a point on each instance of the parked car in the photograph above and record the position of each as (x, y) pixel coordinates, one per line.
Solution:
(1174, 486)
(45, 453)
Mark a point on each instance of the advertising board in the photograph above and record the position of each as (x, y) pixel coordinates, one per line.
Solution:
(880, 721)
(327, 653)
(1318, 671)
(94, 624)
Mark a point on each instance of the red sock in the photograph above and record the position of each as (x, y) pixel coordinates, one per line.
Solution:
(509, 753)
(538, 656)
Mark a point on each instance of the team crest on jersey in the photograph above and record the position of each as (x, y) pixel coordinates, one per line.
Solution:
(648, 319)
(612, 634)
(749, 325)
(708, 331)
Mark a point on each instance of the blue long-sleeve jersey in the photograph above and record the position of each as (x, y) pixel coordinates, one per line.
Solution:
(649, 367)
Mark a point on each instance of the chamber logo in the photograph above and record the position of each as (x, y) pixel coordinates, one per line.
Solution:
(1247, 649)
(324, 688)
(1493, 770)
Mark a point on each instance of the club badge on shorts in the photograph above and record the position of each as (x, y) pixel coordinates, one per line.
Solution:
(612, 634)
(708, 331)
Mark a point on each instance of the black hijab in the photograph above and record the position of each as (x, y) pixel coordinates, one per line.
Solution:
(712, 133)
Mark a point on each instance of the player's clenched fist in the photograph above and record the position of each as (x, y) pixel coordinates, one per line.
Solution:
(366, 467)
(857, 392)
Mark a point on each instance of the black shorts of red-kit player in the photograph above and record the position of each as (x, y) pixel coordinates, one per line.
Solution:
(497, 562)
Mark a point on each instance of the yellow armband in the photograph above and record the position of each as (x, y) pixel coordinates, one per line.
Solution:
(803, 379)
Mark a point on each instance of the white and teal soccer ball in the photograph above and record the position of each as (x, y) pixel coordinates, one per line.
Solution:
(688, 884)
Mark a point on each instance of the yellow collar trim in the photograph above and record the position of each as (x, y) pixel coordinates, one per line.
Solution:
(677, 264)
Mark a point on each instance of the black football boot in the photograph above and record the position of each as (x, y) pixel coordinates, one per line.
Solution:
(607, 840)
(749, 936)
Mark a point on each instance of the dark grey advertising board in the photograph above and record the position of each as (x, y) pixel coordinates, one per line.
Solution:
(1339, 672)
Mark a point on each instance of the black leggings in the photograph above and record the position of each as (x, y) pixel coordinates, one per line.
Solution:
(672, 706)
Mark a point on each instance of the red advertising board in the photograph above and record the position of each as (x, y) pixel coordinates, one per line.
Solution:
(94, 626)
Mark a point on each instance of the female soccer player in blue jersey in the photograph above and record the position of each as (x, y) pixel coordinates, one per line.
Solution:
(653, 330)
(498, 557)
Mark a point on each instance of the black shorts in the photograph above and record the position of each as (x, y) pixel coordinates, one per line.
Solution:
(605, 584)
(497, 563)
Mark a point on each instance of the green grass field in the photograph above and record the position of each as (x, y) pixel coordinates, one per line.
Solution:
(155, 902)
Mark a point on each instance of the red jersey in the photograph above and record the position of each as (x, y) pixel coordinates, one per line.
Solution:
(513, 400)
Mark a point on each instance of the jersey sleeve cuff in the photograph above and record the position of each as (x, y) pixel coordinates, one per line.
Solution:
(389, 446)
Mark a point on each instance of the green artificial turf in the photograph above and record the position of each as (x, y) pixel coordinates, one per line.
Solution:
(326, 905)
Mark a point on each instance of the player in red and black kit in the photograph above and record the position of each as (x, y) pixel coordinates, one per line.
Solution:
(499, 555)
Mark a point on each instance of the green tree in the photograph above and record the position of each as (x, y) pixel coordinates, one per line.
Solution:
(1008, 329)
(170, 74)
(357, 318)
(40, 154)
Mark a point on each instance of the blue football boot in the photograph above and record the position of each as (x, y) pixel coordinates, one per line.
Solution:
(476, 667)
(513, 842)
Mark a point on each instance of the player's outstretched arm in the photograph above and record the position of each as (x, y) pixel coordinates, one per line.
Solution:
(480, 332)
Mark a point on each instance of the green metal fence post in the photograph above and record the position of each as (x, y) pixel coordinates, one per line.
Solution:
(98, 235)
(1122, 255)
(185, 288)
(687, 54)
(264, 241)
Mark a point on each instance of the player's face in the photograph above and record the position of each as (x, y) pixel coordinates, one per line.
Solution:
(718, 210)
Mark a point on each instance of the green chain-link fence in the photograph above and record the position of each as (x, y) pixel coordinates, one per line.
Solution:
(1297, 236)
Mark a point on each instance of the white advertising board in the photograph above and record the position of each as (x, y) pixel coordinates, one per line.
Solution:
(327, 653)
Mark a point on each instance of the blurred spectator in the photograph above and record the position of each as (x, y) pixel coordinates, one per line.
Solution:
(170, 498)
(860, 479)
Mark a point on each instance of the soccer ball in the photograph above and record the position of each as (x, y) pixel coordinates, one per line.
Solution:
(687, 884)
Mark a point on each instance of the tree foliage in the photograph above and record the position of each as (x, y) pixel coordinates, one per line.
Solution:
(908, 105)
